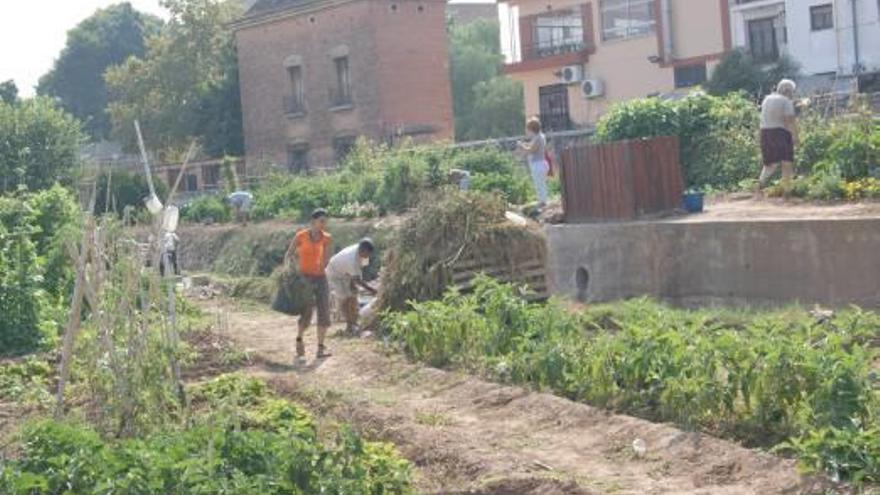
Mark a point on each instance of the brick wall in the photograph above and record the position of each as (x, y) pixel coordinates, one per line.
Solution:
(414, 65)
(398, 66)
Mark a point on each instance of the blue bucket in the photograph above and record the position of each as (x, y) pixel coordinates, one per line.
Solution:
(693, 202)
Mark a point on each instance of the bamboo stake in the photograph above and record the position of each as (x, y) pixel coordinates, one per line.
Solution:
(75, 320)
(144, 158)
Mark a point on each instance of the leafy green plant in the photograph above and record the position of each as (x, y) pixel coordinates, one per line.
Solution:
(850, 143)
(717, 135)
(764, 379)
(206, 209)
(242, 439)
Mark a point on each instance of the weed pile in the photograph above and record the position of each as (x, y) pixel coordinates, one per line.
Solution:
(454, 228)
(781, 380)
(240, 439)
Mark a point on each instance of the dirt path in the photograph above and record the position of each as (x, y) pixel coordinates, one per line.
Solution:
(466, 435)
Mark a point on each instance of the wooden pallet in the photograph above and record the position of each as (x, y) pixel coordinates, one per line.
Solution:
(531, 273)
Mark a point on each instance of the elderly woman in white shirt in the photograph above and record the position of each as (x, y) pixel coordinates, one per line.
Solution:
(536, 153)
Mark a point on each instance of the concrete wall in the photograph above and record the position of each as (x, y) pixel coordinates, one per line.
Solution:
(829, 262)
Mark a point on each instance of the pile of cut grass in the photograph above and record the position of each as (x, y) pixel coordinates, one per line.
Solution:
(446, 231)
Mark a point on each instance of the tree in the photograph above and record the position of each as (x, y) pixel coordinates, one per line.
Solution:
(9, 92)
(498, 109)
(107, 38)
(186, 84)
(40, 144)
(475, 65)
(738, 71)
(127, 189)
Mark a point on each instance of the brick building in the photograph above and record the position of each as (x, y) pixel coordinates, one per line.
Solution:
(316, 74)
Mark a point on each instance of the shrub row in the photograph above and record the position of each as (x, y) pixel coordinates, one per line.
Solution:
(376, 180)
(775, 379)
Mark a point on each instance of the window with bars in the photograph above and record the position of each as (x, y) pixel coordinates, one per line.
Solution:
(822, 17)
(622, 19)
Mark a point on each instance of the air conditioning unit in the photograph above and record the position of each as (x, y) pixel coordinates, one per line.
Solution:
(571, 74)
(592, 88)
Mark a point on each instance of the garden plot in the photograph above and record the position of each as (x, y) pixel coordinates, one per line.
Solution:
(466, 435)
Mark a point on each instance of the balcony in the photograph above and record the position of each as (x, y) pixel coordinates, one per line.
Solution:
(539, 51)
(551, 39)
(294, 106)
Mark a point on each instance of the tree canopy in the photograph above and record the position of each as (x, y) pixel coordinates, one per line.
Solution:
(39, 146)
(107, 38)
(738, 71)
(485, 103)
(8, 92)
(186, 84)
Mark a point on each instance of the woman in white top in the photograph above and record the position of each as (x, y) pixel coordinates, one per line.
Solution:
(536, 152)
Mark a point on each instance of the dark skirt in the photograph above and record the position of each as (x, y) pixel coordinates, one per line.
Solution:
(776, 146)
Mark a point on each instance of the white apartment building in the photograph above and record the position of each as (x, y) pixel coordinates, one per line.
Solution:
(833, 40)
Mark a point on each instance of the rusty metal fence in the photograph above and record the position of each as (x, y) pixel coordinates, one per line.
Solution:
(622, 180)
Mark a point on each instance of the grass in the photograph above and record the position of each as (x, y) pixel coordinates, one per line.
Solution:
(434, 419)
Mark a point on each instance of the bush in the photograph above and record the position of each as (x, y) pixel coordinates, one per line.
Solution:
(717, 134)
(207, 209)
(851, 144)
(40, 144)
(764, 379)
(35, 268)
(737, 72)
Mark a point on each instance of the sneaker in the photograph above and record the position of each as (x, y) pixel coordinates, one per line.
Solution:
(300, 348)
(323, 352)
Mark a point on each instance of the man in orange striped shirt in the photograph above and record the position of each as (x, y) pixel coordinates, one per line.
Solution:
(312, 248)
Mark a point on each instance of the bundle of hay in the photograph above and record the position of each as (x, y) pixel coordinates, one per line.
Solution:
(454, 230)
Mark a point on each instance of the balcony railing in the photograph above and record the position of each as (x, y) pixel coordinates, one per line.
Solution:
(545, 50)
(294, 105)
